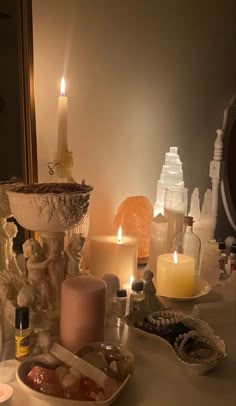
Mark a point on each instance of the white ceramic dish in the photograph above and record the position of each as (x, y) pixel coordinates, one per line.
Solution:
(202, 328)
(48, 360)
(201, 288)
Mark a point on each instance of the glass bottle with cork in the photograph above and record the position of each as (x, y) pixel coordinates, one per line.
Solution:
(137, 297)
(22, 336)
(188, 243)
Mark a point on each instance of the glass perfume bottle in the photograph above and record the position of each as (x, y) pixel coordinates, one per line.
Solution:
(188, 243)
(22, 336)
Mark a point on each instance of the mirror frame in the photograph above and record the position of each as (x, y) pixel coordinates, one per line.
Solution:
(26, 82)
(229, 125)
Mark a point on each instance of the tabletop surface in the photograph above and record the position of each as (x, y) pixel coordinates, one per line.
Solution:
(159, 378)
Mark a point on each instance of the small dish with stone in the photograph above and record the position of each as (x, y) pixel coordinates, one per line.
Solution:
(95, 376)
(193, 341)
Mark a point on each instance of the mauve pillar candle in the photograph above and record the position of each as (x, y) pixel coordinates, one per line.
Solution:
(83, 300)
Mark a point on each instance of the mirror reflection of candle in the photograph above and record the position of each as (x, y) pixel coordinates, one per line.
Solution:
(119, 236)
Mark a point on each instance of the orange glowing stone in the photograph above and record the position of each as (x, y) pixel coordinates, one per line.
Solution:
(135, 215)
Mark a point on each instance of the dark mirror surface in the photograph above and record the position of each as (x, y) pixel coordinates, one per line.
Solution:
(229, 173)
(17, 121)
(18, 160)
(10, 111)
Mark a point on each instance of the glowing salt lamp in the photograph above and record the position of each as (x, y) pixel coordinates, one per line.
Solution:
(135, 216)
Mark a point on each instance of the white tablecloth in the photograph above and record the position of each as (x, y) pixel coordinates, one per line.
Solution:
(159, 378)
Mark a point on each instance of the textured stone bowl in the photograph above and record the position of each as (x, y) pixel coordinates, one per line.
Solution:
(5, 210)
(49, 207)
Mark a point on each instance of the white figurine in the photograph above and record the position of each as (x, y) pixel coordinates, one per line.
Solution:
(73, 255)
(29, 296)
(11, 230)
(43, 343)
(152, 303)
(38, 272)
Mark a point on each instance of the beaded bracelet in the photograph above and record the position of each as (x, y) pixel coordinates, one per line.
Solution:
(194, 335)
(165, 317)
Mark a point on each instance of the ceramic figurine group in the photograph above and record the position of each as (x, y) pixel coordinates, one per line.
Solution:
(38, 286)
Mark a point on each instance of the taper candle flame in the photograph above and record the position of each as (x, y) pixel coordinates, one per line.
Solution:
(119, 236)
(63, 86)
(175, 257)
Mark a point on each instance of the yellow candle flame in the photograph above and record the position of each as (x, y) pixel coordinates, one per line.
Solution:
(175, 257)
(119, 236)
(63, 86)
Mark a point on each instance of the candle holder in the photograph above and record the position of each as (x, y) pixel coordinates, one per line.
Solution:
(49, 209)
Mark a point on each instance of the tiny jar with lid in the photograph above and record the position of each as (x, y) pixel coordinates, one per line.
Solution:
(22, 336)
(137, 297)
(232, 260)
(223, 258)
(121, 300)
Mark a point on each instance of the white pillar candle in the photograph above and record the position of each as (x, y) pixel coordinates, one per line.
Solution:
(111, 254)
(62, 141)
(175, 275)
(82, 317)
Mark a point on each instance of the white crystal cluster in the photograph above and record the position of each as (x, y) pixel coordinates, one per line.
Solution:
(202, 225)
(171, 176)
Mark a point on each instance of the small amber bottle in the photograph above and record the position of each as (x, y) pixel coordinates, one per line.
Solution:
(22, 337)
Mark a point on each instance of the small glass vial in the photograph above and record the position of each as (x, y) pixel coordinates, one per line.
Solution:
(22, 338)
(223, 258)
(137, 298)
(121, 300)
(232, 260)
(188, 243)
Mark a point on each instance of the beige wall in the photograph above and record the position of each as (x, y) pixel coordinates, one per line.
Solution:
(141, 75)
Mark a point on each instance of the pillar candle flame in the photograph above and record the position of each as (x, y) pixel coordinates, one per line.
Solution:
(63, 86)
(119, 236)
(131, 281)
(175, 257)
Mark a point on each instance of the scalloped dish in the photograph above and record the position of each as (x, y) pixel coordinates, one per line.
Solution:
(192, 340)
(95, 376)
(201, 288)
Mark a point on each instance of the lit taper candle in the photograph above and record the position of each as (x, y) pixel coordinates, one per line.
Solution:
(62, 141)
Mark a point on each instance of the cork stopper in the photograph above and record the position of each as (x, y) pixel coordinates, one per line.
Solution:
(188, 220)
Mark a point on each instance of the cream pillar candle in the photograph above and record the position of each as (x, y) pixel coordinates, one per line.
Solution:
(111, 254)
(175, 275)
(62, 141)
(82, 317)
